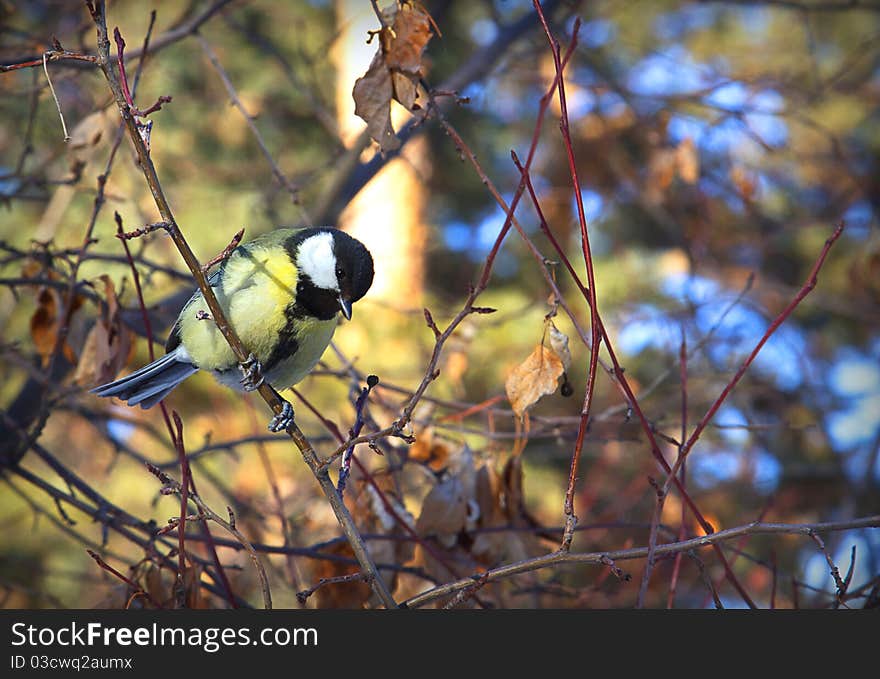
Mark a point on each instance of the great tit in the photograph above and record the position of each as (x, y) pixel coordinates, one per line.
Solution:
(281, 293)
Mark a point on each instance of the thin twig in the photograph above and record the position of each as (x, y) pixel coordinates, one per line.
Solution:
(170, 485)
(55, 97)
(590, 389)
(600, 558)
(360, 404)
(304, 595)
(128, 581)
(269, 395)
(281, 178)
(227, 251)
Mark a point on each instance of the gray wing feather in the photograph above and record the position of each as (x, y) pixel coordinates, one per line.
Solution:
(150, 384)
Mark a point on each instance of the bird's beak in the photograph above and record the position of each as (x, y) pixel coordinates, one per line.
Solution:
(345, 305)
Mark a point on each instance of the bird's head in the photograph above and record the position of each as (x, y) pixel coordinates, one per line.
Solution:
(336, 271)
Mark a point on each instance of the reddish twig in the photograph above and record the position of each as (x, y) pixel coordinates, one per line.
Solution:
(50, 55)
(142, 231)
(808, 286)
(629, 396)
(182, 457)
(571, 519)
(683, 374)
(148, 326)
(123, 81)
(276, 496)
(138, 590)
(169, 486)
(227, 251)
(468, 307)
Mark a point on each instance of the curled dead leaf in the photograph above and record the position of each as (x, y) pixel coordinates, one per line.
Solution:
(429, 450)
(535, 377)
(514, 498)
(687, 161)
(661, 172)
(108, 345)
(559, 344)
(745, 182)
(444, 511)
(46, 323)
(372, 101)
(395, 70)
(377, 509)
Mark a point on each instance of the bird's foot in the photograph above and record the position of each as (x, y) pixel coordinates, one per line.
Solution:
(251, 374)
(283, 420)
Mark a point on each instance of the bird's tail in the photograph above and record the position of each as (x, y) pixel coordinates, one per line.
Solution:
(150, 384)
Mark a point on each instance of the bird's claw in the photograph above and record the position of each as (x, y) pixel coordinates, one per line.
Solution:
(283, 420)
(251, 374)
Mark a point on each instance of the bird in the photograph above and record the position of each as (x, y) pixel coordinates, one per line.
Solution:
(281, 293)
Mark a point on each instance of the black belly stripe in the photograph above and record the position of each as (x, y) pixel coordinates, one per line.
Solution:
(287, 344)
(311, 302)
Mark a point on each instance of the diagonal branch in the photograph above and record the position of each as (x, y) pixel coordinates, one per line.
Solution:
(269, 395)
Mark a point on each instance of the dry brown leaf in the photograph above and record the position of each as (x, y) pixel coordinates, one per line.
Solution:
(444, 511)
(744, 181)
(372, 101)
(514, 501)
(687, 161)
(559, 344)
(377, 509)
(354, 594)
(488, 495)
(502, 503)
(45, 323)
(429, 451)
(394, 72)
(192, 587)
(661, 172)
(157, 586)
(412, 31)
(535, 377)
(108, 345)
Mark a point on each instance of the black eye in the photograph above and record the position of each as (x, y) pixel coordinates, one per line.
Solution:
(340, 274)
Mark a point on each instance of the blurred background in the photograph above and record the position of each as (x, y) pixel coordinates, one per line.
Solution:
(717, 144)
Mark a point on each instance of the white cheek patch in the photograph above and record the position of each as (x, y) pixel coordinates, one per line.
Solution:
(316, 260)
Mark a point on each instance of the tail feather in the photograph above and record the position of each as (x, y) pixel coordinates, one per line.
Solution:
(150, 384)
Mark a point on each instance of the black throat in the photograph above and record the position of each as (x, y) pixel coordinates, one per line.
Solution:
(313, 301)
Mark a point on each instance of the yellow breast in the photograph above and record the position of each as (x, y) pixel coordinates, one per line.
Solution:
(257, 286)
